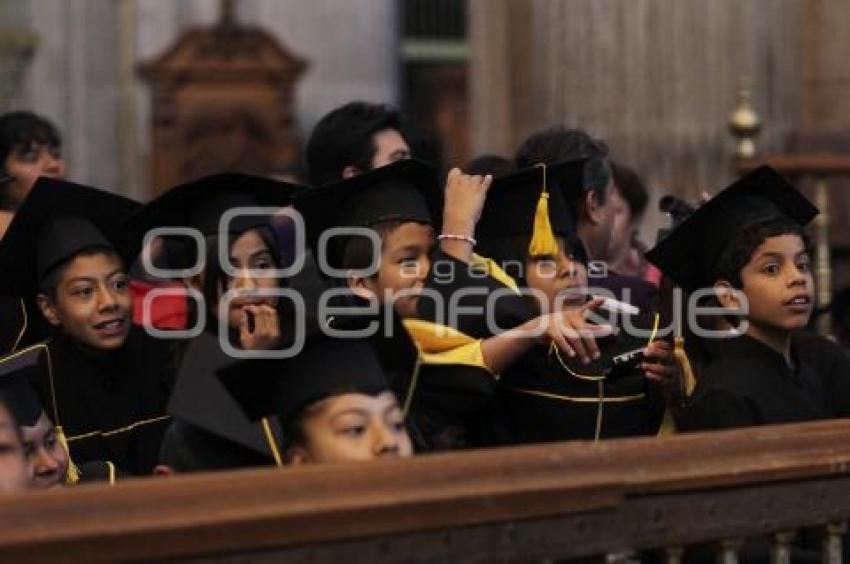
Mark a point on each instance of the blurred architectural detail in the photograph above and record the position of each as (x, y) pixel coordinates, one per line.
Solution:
(435, 56)
(16, 50)
(223, 99)
(744, 123)
(656, 79)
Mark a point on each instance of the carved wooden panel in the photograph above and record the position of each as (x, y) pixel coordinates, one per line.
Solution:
(223, 99)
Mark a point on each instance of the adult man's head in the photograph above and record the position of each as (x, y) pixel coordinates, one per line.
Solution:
(595, 211)
(353, 139)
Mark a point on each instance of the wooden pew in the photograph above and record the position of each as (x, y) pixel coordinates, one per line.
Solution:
(533, 503)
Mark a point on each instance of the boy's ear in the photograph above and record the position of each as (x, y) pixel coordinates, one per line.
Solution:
(726, 295)
(591, 207)
(361, 286)
(48, 310)
(297, 455)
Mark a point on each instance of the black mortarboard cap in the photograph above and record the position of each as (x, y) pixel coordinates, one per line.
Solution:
(326, 367)
(512, 200)
(57, 220)
(200, 399)
(407, 190)
(201, 204)
(391, 342)
(689, 254)
(17, 373)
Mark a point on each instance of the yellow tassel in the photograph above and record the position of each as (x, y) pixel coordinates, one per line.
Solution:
(689, 382)
(270, 440)
(543, 242)
(73, 474)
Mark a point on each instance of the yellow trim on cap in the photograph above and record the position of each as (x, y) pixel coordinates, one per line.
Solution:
(129, 427)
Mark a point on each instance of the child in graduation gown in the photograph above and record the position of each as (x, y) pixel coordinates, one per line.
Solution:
(335, 400)
(108, 380)
(402, 207)
(746, 249)
(527, 230)
(236, 309)
(50, 465)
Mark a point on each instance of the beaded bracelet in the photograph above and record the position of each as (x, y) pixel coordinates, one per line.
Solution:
(455, 237)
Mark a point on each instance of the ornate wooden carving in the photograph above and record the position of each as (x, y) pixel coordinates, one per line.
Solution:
(223, 99)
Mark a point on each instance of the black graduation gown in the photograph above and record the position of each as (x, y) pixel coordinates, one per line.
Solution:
(111, 406)
(21, 325)
(545, 402)
(640, 293)
(743, 382)
(210, 431)
(454, 405)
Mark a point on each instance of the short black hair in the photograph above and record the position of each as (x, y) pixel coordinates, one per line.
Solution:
(489, 164)
(49, 283)
(22, 129)
(343, 138)
(358, 251)
(19, 131)
(558, 143)
(740, 249)
(631, 188)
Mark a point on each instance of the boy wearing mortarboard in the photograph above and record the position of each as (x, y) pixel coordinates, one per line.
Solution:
(48, 458)
(109, 381)
(526, 228)
(338, 399)
(747, 248)
(401, 203)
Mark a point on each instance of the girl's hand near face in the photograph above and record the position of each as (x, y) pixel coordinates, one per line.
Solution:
(263, 333)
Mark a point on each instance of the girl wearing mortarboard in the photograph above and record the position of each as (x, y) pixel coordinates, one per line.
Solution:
(235, 306)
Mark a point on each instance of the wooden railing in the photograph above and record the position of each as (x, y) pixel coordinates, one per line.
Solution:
(529, 504)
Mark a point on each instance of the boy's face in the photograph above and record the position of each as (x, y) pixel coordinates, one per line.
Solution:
(92, 301)
(778, 284)
(390, 147)
(353, 427)
(405, 261)
(26, 163)
(47, 458)
(14, 470)
(560, 278)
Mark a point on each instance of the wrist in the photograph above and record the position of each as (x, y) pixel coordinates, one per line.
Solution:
(460, 237)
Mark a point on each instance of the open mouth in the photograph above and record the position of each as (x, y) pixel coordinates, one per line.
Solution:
(573, 294)
(801, 302)
(111, 327)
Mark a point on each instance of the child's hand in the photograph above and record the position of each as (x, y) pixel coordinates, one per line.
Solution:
(464, 201)
(260, 328)
(572, 334)
(660, 366)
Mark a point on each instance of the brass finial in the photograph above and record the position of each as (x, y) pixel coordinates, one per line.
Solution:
(744, 123)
